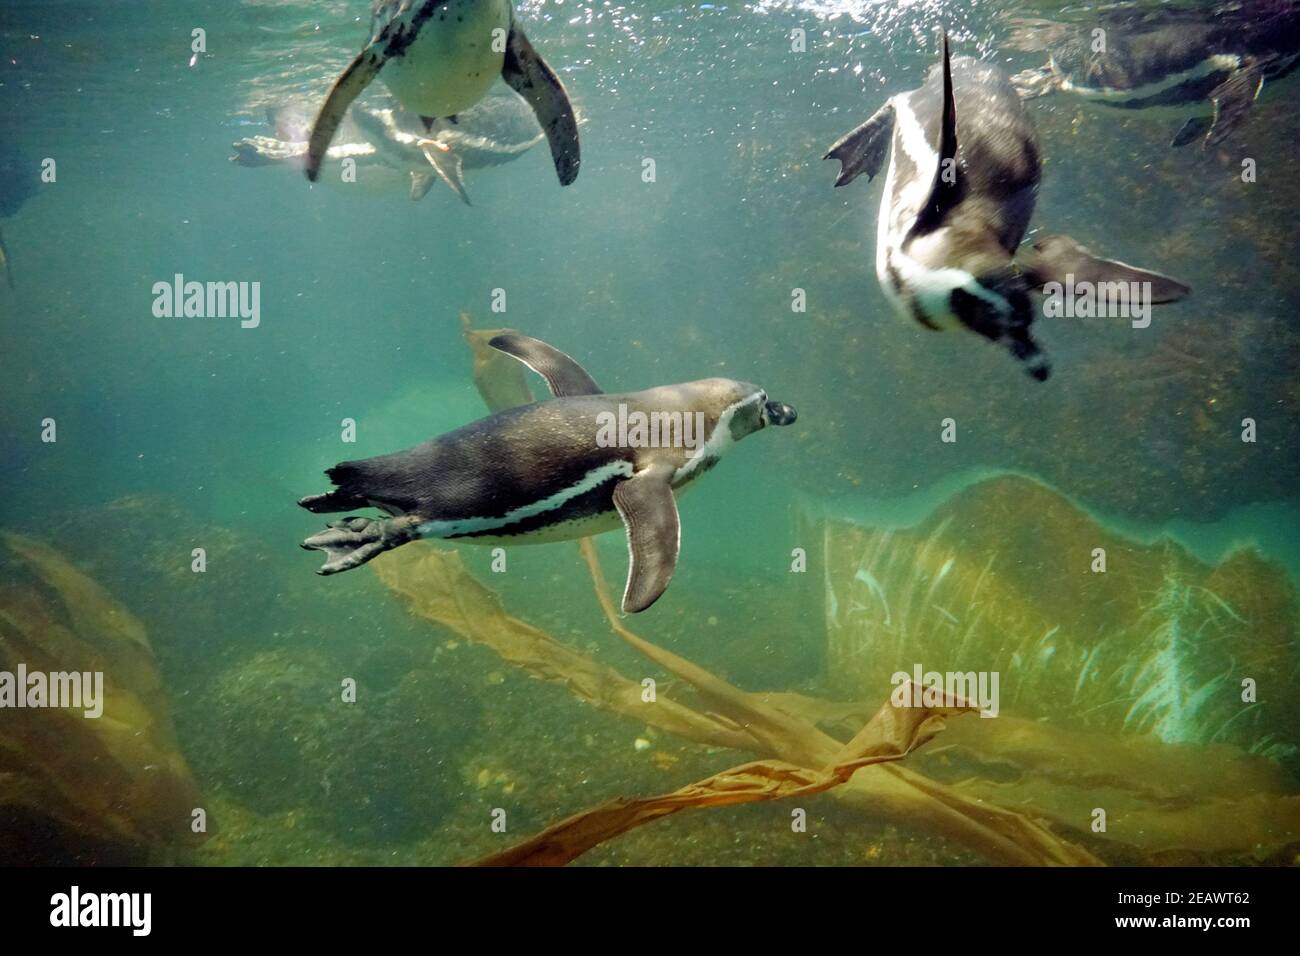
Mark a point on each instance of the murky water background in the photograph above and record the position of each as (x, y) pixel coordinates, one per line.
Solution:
(175, 434)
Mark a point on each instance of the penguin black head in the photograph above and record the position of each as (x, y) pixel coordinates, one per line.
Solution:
(999, 305)
(778, 413)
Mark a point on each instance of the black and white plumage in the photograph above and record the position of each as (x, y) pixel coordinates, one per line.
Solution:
(439, 57)
(1206, 67)
(963, 179)
(538, 473)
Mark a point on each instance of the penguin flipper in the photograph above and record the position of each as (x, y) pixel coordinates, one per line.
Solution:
(450, 170)
(1056, 258)
(646, 504)
(359, 74)
(563, 375)
(529, 76)
(864, 149)
(1232, 101)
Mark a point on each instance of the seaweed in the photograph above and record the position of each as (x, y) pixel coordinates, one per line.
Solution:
(498, 377)
(108, 789)
(1120, 690)
(998, 578)
(890, 735)
(796, 755)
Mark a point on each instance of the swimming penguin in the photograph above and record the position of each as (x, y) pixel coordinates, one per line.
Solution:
(390, 145)
(1207, 67)
(549, 471)
(962, 182)
(438, 57)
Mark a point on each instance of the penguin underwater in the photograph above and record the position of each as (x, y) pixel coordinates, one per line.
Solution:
(387, 140)
(1207, 66)
(540, 473)
(962, 183)
(439, 57)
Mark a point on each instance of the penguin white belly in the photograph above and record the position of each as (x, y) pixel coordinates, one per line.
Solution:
(451, 63)
(549, 534)
(1219, 64)
(900, 204)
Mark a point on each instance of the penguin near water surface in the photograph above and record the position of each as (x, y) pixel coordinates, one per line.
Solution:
(963, 179)
(1206, 68)
(439, 57)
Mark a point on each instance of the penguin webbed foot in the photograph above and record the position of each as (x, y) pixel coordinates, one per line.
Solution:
(351, 542)
(1031, 84)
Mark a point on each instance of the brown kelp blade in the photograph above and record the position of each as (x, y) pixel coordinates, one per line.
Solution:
(890, 735)
(778, 726)
(1201, 803)
(113, 787)
(437, 587)
(500, 379)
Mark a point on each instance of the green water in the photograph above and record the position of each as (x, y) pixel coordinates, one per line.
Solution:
(211, 432)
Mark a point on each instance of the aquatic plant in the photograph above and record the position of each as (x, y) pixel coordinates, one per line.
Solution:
(780, 727)
(1119, 689)
(1169, 695)
(904, 592)
(998, 578)
(499, 378)
(108, 789)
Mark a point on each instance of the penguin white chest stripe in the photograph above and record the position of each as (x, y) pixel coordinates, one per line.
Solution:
(1217, 63)
(719, 442)
(911, 194)
(475, 525)
(929, 290)
(901, 201)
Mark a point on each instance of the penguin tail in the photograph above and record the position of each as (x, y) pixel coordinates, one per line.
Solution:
(332, 502)
(351, 480)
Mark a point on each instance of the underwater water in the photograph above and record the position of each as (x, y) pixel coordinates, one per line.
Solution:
(1119, 545)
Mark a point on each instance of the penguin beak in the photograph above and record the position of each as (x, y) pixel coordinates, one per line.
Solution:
(779, 413)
